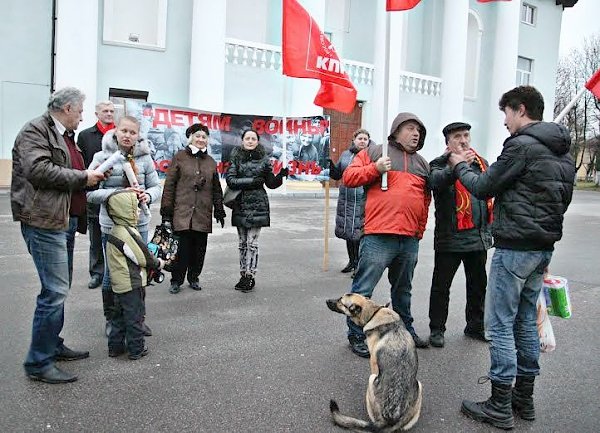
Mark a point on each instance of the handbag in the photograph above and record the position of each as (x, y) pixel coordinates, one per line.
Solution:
(229, 196)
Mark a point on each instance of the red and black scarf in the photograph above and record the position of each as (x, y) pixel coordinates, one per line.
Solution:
(464, 206)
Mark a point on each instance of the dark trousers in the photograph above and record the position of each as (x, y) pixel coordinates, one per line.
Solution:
(445, 266)
(96, 263)
(126, 322)
(190, 256)
(352, 247)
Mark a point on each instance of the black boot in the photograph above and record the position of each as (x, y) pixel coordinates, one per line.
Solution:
(522, 397)
(349, 268)
(496, 410)
(358, 346)
(244, 283)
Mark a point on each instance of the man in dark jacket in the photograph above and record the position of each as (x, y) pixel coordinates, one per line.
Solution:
(43, 193)
(90, 142)
(532, 181)
(462, 234)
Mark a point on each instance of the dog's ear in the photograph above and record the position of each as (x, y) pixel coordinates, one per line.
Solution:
(355, 309)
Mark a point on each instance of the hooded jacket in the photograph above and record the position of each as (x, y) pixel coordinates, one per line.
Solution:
(403, 208)
(127, 256)
(350, 211)
(147, 178)
(532, 181)
(248, 172)
(192, 189)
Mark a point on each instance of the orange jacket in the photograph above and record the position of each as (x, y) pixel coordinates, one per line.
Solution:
(404, 207)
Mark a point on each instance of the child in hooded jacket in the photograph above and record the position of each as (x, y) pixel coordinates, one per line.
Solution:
(129, 261)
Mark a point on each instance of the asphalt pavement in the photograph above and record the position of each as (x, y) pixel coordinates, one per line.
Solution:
(270, 360)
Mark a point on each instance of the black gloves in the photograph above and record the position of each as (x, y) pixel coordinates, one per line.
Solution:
(283, 172)
(220, 216)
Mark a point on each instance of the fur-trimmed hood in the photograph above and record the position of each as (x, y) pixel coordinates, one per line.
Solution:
(110, 146)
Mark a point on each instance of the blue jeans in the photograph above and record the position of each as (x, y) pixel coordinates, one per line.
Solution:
(52, 254)
(515, 281)
(398, 254)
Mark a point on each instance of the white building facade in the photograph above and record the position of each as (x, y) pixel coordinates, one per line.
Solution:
(449, 60)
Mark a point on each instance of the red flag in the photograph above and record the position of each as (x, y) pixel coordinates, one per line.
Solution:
(593, 85)
(307, 53)
(400, 5)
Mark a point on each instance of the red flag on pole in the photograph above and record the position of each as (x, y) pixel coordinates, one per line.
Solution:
(307, 53)
(400, 5)
(593, 85)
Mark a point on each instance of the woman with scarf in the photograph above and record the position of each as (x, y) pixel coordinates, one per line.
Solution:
(192, 193)
(249, 172)
(126, 139)
(350, 214)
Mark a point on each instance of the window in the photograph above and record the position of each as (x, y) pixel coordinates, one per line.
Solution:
(120, 98)
(135, 23)
(474, 32)
(524, 69)
(528, 14)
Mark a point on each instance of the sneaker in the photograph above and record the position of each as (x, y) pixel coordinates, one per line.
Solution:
(135, 357)
(359, 347)
(419, 342)
(175, 288)
(195, 286)
(436, 339)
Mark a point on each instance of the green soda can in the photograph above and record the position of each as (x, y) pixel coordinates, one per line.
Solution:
(557, 290)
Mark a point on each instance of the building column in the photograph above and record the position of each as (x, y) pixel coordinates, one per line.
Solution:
(389, 57)
(453, 62)
(506, 51)
(76, 61)
(207, 56)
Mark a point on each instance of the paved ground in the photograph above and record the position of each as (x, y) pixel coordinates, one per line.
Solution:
(269, 361)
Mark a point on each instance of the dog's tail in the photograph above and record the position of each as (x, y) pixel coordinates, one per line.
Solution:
(350, 423)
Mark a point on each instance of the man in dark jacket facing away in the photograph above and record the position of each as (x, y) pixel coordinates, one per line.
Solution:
(532, 181)
(90, 142)
(462, 234)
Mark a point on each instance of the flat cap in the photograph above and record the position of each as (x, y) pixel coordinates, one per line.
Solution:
(455, 126)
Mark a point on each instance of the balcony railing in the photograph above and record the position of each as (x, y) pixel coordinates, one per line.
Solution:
(421, 84)
(264, 56)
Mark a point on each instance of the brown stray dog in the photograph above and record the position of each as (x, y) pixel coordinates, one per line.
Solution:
(394, 394)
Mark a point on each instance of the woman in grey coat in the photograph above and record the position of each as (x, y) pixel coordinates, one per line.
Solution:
(350, 213)
(125, 137)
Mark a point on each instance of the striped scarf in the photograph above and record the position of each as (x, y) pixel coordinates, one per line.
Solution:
(464, 205)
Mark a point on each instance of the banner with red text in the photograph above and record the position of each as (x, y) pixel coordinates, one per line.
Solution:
(305, 139)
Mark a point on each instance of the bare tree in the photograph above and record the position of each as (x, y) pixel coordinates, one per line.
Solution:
(584, 118)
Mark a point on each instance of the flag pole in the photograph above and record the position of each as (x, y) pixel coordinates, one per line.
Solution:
(326, 229)
(569, 106)
(386, 90)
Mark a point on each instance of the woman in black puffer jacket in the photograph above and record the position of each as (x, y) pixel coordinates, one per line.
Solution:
(249, 171)
(350, 213)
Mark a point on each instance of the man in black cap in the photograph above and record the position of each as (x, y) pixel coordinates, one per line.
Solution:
(462, 234)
